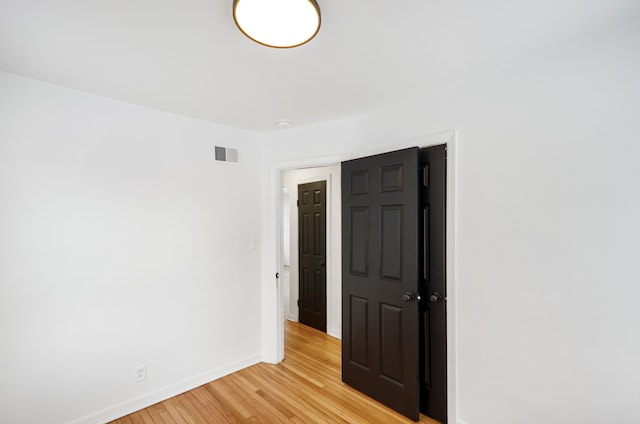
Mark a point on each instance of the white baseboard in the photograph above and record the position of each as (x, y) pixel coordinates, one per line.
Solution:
(335, 332)
(132, 405)
(461, 422)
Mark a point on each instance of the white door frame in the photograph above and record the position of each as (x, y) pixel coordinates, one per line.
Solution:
(273, 312)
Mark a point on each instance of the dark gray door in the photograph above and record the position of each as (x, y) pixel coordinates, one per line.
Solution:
(380, 277)
(312, 240)
(433, 325)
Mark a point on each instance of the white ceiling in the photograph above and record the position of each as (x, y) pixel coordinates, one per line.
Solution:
(187, 57)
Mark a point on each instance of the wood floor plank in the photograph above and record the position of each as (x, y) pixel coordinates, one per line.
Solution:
(191, 409)
(306, 388)
(232, 411)
(173, 412)
(203, 413)
(293, 405)
(220, 413)
(299, 392)
(265, 411)
(225, 394)
(126, 420)
(163, 413)
(146, 416)
(177, 411)
(136, 418)
(155, 415)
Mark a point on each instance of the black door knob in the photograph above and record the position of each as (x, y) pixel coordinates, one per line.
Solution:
(408, 297)
(435, 297)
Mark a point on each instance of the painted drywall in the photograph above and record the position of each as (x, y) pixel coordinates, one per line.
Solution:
(122, 243)
(291, 180)
(547, 228)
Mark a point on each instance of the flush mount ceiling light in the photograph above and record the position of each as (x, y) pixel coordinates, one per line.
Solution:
(277, 23)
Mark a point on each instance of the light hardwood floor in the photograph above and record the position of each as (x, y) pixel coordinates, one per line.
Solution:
(304, 388)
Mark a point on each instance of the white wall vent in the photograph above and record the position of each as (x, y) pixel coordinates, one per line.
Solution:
(226, 154)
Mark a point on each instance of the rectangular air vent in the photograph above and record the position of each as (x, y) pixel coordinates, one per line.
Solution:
(226, 154)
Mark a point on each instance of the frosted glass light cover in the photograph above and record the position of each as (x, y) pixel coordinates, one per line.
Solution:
(278, 23)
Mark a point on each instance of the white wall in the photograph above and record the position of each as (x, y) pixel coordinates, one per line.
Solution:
(291, 180)
(547, 228)
(122, 243)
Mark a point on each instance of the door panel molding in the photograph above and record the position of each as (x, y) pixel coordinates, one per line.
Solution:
(391, 241)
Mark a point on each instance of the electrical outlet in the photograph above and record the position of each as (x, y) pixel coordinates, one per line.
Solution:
(140, 373)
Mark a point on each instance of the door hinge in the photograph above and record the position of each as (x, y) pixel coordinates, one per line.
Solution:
(277, 275)
(297, 203)
(298, 303)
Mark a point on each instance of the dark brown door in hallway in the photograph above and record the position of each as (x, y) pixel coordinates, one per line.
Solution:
(380, 275)
(312, 239)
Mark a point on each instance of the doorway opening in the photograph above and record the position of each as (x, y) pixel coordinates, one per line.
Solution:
(274, 305)
(293, 268)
